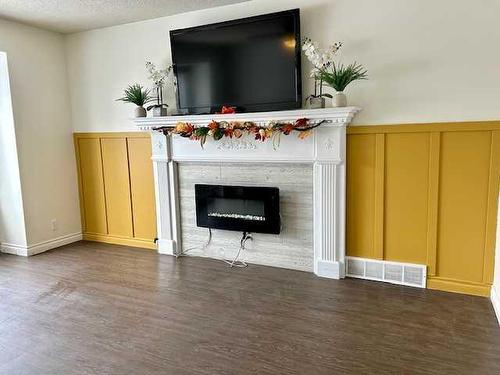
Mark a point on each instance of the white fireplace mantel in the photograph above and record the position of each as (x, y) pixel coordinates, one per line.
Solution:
(325, 149)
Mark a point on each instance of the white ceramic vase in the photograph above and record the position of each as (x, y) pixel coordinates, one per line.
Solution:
(140, 111)
(339, 99)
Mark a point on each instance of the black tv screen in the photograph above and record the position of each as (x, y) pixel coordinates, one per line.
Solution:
(252, 64)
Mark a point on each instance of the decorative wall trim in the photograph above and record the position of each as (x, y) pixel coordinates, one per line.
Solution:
(100, 135)
(495, 301)
(325, 149)
(40, 247)
(236, 144)
(116, 240)
(425, 127)
(458, 286)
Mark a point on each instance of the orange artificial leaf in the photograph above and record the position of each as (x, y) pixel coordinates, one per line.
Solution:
(287, 128)
(304, 134)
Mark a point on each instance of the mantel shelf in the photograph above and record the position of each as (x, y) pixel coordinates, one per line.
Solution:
(337, 116)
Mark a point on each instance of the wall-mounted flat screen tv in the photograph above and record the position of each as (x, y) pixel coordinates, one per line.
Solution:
(252, 64)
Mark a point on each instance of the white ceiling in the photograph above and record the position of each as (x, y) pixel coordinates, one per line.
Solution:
(69, 16)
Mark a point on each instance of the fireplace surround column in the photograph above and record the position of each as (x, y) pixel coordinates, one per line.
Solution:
(166, 192)
(329, 202)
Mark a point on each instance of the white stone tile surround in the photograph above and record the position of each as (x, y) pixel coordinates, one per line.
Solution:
(292, 248)
(324, 153)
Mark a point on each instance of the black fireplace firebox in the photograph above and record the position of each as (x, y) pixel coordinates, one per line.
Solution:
(239, 208)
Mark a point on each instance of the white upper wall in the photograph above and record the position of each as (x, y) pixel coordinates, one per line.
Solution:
(428, 61)
(40, 100)
(12, 228)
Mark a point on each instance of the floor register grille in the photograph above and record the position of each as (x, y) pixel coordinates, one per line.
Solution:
(390, 272)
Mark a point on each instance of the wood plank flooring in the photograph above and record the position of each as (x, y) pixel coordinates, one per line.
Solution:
(91, 308)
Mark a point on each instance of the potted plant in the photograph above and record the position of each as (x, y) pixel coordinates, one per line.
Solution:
(339, 76)
(320, 61)
(326, 71)
(158, 77)
(139, 96)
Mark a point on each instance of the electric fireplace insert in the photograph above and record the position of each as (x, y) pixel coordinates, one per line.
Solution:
(239, 208)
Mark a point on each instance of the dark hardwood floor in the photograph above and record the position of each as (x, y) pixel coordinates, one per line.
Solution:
(90, 308)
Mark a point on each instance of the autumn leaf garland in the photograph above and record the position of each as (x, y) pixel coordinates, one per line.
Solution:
(236, 129)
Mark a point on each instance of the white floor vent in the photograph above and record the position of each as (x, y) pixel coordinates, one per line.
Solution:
(389, 272)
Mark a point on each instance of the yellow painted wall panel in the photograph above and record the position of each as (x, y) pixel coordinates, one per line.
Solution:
(463, 198)
(117, 186)
(142, 188)
(360, 195)
(91, 186)
(115, 174)
(406, 188)
(436, 186)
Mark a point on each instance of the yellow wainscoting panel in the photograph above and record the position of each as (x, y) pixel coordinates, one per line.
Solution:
(438, 202)
(143, 196)
(463, 195)
(406, 195)
(361, 196)
(92, 201)
(116, 188)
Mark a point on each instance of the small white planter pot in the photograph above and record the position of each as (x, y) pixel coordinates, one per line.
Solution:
(315, 103)
(140, 112)
(339, 99)
(159, 111)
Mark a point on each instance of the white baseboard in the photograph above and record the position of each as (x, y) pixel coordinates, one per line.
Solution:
(8, 248)
(495, 301)
(40, 247)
